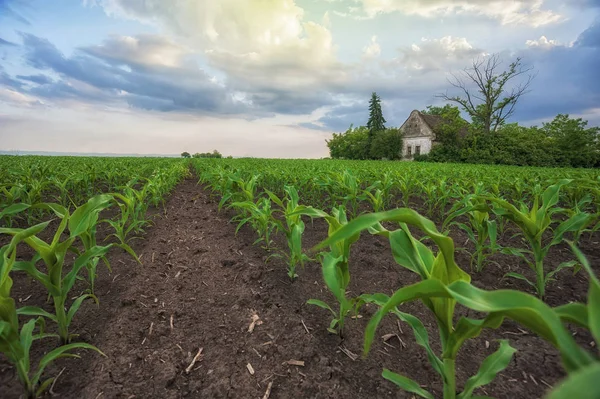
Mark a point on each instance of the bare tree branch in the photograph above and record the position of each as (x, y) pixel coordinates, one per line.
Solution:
(485, 90)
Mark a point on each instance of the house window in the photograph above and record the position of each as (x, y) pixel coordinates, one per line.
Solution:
(409, 151)
(418, 150)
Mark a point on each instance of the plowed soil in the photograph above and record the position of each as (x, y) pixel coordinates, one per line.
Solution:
(200, 287)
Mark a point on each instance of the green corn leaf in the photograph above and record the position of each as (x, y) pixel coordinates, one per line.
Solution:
(321, 304)
(332, 277)
(582, 384)
(26, 338)
(35, 311)
(519, 276)
(80, 262)
(490, 367)
(58, 353)
(14, 209)
(574, 223)
(43, 387)
(563, 265)
(410, 253)
(593, 294)
(521, 307)
(422, 339)
(406, 384)
(77, 304)
(86, 215)
(574, 312)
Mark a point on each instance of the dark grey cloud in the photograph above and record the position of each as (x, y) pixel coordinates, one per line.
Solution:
(591, 36)
(567, 79)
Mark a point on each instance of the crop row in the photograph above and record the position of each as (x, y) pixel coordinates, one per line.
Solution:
(63, 244)
(541, 207)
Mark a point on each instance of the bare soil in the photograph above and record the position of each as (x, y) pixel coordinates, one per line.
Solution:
(200, 287)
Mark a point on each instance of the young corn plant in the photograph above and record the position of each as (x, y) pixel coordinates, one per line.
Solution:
(534, 222)
(293, 228)
(336, 272)
(481, 231)
(53, 255)
(260, 216)
(444, 285)
(16, 341)
(583, 381)
(91, 210)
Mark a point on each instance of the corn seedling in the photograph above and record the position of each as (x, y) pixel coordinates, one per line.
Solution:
(444, 285)
(15, 341)
(336, 272)
(481, 231)
(533, 223)
(583, 382)
(293, 228)
(260, 216)
(53, 255)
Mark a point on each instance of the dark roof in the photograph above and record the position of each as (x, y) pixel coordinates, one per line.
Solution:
(435, 121)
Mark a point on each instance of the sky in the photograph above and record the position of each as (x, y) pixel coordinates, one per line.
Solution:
(269, 78)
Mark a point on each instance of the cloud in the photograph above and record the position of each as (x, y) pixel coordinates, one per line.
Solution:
(261, 46)
(567, 79)
(527, 12)
(101, 74)
(8, 10)
(15, 97)
(6, 42)
(591, 36)
(373, 49)
(39, 79)
(438, 54)
(542, 42)
(144, 49)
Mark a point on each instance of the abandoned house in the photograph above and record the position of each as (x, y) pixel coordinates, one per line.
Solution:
(419, 133)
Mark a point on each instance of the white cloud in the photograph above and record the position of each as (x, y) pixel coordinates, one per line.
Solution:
(528, 12)
(373, 49)
(438, 54)
(258, 43)
(543, 42)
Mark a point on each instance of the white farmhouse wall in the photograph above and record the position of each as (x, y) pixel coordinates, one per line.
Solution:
(424, 142)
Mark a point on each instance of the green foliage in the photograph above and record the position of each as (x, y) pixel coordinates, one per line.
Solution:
(214, 154)
(185, 154)
(376, 122)
(353, 144)
(387, 144)
(563, 142)
(576, 145)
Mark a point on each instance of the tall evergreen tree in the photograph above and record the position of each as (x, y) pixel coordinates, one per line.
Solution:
(376, 120)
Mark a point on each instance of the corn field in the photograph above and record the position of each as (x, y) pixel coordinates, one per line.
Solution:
(513, 218)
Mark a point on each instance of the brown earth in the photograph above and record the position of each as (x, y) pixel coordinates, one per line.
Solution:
(200, 286)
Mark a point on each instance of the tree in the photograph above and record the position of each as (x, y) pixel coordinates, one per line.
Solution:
(214, 154)
(387, 144)
(376, 121)
(488, 93)
(577, 145)
(349, 145)
(185, 154)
